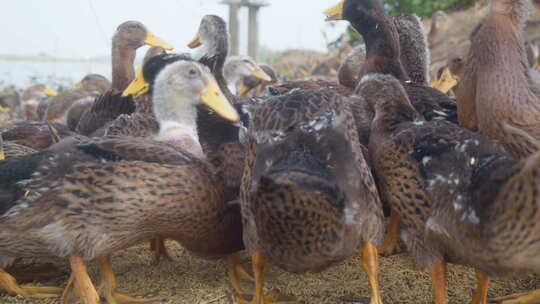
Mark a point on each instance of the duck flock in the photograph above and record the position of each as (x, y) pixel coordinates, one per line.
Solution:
(221, 157)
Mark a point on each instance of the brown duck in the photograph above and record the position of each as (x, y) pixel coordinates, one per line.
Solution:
(129, 36)
(451, 188)
(496, 86)
(124, 177)
(308, 198)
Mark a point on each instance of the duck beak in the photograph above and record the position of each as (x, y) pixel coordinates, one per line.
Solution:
(215, 100)
(154, 40)
(2, 155)
(50, 92)
(335, 12)
(138, 87)
(78, 85)
(243, 90)
(259, 73)
(195, 42)
(446, 82)
(5, 110)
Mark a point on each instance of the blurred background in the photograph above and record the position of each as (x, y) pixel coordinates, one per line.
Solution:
(57, 42)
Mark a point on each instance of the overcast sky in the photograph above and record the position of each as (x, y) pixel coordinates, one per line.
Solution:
(83, 28)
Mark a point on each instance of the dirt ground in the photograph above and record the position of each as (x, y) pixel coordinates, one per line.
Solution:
(190, 280)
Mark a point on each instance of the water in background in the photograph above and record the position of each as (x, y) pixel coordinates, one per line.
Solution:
(54, 74)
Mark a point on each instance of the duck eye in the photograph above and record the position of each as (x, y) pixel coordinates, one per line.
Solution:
(192, 72)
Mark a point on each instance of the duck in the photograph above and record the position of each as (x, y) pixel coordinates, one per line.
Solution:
(414, 54)
(437, 26)
(10, 103)
(129, 36)
(239, 67)
(456, 213)
(218, 139)
(308, 198)
(498, 89)
(32, 134)
(255, 84)
(57, 107)
(383, 54)
(32, 97)
(94, 82)
(351, 65)
(130, 171)
(387, 51)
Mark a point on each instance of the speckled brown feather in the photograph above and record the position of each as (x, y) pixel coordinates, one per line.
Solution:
(285, 87)
(13, 150)
(105, 109)
(307, 195)
(58, 105)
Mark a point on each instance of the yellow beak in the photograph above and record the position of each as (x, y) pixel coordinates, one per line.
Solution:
(243, 90)
(195, 42)
(260, 74)
(5, 110)
(138, 87)
(50, 92)
(536, 64)
(446, 82)
(215, 100)
(78, 85)
(335, 12)
(154, 40)
(2, 155)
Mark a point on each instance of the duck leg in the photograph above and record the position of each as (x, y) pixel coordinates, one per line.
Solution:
(9, 284)
(237, 272)
(108, 286)
(160, 251)
(480, 294)
(370, 263)
(259, 267)
(80, 282)
(391, 243)
(519, 298)
(438, 280)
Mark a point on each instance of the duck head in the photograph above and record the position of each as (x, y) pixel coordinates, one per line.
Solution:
(181, 86)
(388, 98)
(134, 34)
(212, 36)
(146, 76)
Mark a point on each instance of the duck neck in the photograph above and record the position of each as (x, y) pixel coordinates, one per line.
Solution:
(390, 115)
(177, 122)
(517, 10)
(123, 57)
(214, 58)
(415, 56)
(232, 78)
(382, 44)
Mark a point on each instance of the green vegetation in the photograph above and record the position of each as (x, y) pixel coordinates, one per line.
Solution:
(425, 8)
